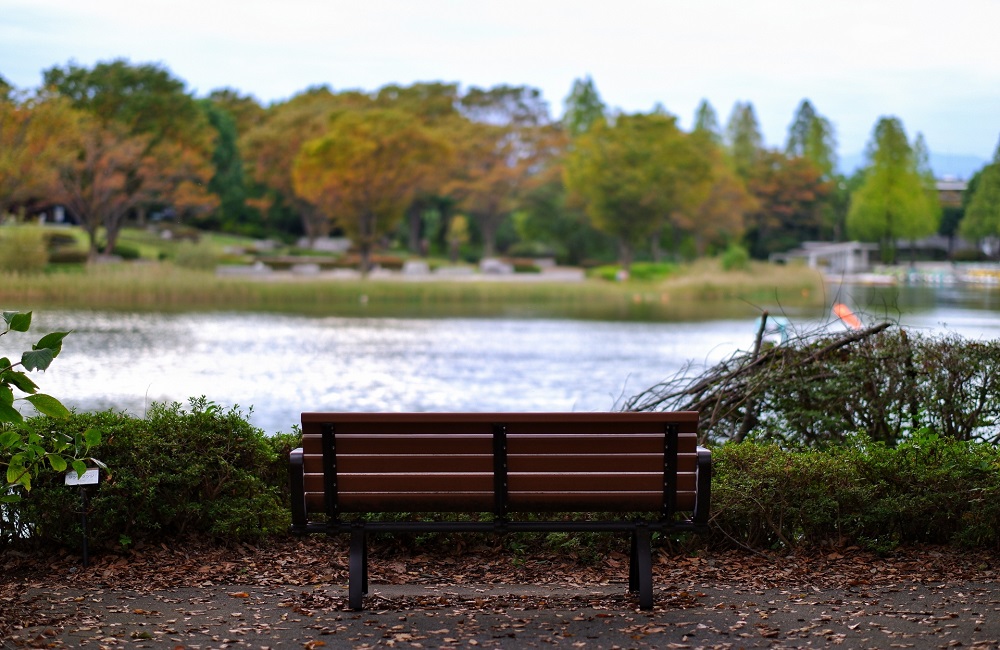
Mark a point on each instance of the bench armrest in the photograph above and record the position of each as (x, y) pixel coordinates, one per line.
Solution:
(703, 497)
(296, 481)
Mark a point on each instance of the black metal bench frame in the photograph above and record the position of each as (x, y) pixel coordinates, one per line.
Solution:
(640, 530)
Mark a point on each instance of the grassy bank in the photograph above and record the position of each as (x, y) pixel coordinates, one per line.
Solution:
(700, 291)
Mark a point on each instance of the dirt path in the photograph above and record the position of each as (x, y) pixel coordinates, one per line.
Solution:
(293, 594)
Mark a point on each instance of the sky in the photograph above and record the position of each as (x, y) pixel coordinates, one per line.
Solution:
(934, 65)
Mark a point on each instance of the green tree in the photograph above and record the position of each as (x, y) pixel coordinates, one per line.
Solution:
(743, 138)
(364, 171)
(633, 175)
(982, 216)
(583, 107)
(892, 201)
(811, 136)
(706, 122)
(227, 181)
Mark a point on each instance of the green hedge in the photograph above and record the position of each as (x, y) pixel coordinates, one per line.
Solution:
(174, 472)
(928, 489)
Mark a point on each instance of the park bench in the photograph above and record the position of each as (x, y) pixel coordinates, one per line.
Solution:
(636, 473)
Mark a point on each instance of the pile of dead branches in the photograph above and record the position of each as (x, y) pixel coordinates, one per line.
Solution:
(819, 387)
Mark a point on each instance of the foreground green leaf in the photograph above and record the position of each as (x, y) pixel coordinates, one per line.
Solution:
(38, 359)
(57, 462)
(10, 414)
(48, 405)
(18, 321)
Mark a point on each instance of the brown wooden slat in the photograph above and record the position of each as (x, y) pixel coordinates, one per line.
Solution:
(416, 444)
(591, 482)
(313, 464)
(586, 463)
(594, 502)
(540, 444)
(372, 483)
(523, 502)
(409, 502)
(594, 444)
(390, 463)
(683, 418)
(619, 427)
(402, 483)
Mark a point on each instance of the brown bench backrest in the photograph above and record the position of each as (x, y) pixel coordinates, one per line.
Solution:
(447, 462)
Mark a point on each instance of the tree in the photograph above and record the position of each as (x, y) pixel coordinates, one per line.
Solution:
(270, 149)
(891, 202)
(922, 160)
(33, 140)
(94, 183)
(145, 101)
(364, 170)
(811, 136)
(743, 138)
(227, 180)
(583, 107)
(506, 138)
(789, 194)
(718, 214)
(982, 216)
(633, 175)
(706, 123)
(436, 105)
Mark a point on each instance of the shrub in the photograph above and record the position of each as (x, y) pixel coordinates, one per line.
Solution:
(126, 252)
(206, 471)
(23, 250)
(198, 256)
(735, 258)
(929, 489)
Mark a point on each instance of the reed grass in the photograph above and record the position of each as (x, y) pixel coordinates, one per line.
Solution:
(165, 287)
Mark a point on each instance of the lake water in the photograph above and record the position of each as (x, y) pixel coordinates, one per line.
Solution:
(282, 365)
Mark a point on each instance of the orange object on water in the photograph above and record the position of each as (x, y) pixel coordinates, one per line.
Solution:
(844, 313)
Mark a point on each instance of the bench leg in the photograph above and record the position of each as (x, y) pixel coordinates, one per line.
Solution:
(358, 568)
(640, 567)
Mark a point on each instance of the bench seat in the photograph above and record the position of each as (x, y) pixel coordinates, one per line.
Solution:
(627, 472)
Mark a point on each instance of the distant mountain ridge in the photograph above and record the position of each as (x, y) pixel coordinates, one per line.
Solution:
(944, 164)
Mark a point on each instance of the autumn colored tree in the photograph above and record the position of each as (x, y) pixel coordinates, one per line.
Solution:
(271, 147)
(245, 111)
(436, 105)
(982, 215)
(94, 183)
(506, 138)
(364, 171)
(789, 194)
(633, 175)
(146, 102)
(892, 202)
(33, 139)
(717, 212)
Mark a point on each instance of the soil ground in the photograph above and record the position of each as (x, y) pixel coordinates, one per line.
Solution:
(292, 593)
